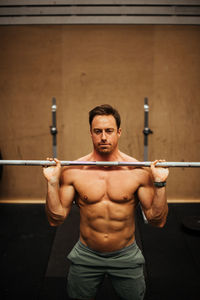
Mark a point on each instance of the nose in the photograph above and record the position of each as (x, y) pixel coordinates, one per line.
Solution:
(103, 136)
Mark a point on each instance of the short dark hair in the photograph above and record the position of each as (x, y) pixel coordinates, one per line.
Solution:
(105, 109)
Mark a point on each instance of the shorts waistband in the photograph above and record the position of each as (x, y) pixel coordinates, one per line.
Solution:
(107, 254)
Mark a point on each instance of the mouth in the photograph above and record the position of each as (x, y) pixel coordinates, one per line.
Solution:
(104, 148)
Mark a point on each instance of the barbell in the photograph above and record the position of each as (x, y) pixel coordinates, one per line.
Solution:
(99, 163)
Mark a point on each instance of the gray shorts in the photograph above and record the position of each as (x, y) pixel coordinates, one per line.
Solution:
(88, 268)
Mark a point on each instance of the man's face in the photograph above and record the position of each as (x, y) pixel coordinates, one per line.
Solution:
(105, 134)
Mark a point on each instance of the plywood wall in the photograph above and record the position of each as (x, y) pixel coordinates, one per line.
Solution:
(83, 66)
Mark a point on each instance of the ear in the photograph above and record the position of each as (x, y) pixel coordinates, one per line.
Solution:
(119, 131)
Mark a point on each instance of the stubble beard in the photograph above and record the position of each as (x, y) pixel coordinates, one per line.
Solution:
(104, 151)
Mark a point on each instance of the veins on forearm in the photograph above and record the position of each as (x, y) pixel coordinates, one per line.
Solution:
(159, 216)
(53, 218)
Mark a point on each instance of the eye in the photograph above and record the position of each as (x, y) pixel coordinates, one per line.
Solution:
(109, 130)
(97, 131)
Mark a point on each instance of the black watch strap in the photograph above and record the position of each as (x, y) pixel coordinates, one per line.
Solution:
(160, 184)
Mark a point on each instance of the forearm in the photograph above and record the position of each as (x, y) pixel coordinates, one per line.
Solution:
(159, 208)
(54, 209)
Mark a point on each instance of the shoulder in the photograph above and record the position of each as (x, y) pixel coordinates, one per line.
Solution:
(85, 158)
(128, 158)
(69, 173)
(144, 174)
(125, 157)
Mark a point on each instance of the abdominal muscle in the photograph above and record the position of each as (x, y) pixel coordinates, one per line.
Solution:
(103, 230)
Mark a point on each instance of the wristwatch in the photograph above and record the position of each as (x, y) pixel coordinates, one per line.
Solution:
(160, 184)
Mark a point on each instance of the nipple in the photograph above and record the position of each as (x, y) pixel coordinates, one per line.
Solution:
(85, 197)
(125, 198)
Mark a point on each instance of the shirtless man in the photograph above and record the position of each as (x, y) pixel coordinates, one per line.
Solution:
(107, 198)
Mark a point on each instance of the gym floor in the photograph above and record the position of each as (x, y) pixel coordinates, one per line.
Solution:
(33, 255)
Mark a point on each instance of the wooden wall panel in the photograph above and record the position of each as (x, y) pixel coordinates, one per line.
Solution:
(83, 66)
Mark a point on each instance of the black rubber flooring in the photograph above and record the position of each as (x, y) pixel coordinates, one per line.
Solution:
(25, 246)
(33, 255)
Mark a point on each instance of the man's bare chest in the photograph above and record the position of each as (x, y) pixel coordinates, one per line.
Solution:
(115, 185)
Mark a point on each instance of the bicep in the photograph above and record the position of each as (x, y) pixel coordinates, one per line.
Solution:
(67, 195)
(145, 193)
(67, 189)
